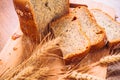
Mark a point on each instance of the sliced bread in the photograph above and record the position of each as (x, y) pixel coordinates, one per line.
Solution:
(88, 25)
(35, 15)
(74, 43)
(111, 27)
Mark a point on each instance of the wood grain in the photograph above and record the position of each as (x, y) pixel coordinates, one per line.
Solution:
(9, 24)
(8, 21)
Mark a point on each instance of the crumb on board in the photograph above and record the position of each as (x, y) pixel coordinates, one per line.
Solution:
(19, 12)
(14, 48)
(9, 53)
(0, 61)
(15, 36)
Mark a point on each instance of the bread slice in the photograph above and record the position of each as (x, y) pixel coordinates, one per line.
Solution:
(88, 25)
(74, 43)
(111, 27)
(35, 15)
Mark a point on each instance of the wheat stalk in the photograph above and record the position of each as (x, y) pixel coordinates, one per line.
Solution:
(48, 50)
(25, 72)
(109, 59)
(80, 76)
(102, 62)
(40, 73)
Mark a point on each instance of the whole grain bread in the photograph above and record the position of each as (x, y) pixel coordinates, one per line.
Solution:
(111, 27)
(88, 25)
(74, 43)
(35, 15)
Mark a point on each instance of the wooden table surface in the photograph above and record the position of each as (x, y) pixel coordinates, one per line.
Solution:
(9, 21)
(114, 4)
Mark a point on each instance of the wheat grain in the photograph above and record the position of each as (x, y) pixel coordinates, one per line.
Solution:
(33, 75)
(109, 59)
(25, 72)
(80, 76)
(42, 72)
(102, 62)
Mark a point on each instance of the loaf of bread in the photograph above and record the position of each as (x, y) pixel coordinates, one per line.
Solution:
(88, 25)
(111, 27)
(74, 43)
(35, 15)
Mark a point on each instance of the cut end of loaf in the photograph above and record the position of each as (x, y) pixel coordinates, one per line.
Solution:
(45, 11)
(109, 24)
(73, 58)
(74, 43)
(35, 15)
(94, 32)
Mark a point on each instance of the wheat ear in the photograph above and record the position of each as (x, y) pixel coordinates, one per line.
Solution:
(102, 62)
(48, 51)
(25, 72)
(41, 73)
(109, 59)
(80, 76)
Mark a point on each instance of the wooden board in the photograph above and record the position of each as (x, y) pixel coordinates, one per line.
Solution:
(8, 21)
(9, 24)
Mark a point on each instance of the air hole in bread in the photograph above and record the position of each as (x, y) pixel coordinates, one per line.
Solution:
(46, 4)
(79, 7)
(66, 30)
(100, 32)
(57, 44)
(74, 18)
(75, 11)
(87, 47)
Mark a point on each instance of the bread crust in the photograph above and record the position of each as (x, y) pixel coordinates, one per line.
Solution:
(74, 5)
(103, 40)
(72, 58)
(116, 41)
(27, 19)
(28, 24)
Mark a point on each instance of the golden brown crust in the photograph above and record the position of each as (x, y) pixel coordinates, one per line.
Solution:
(28, 23)
(74, 5)
(71, 58)
(26, 18)
(102, 41)
(114, 42)
(74, 58)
